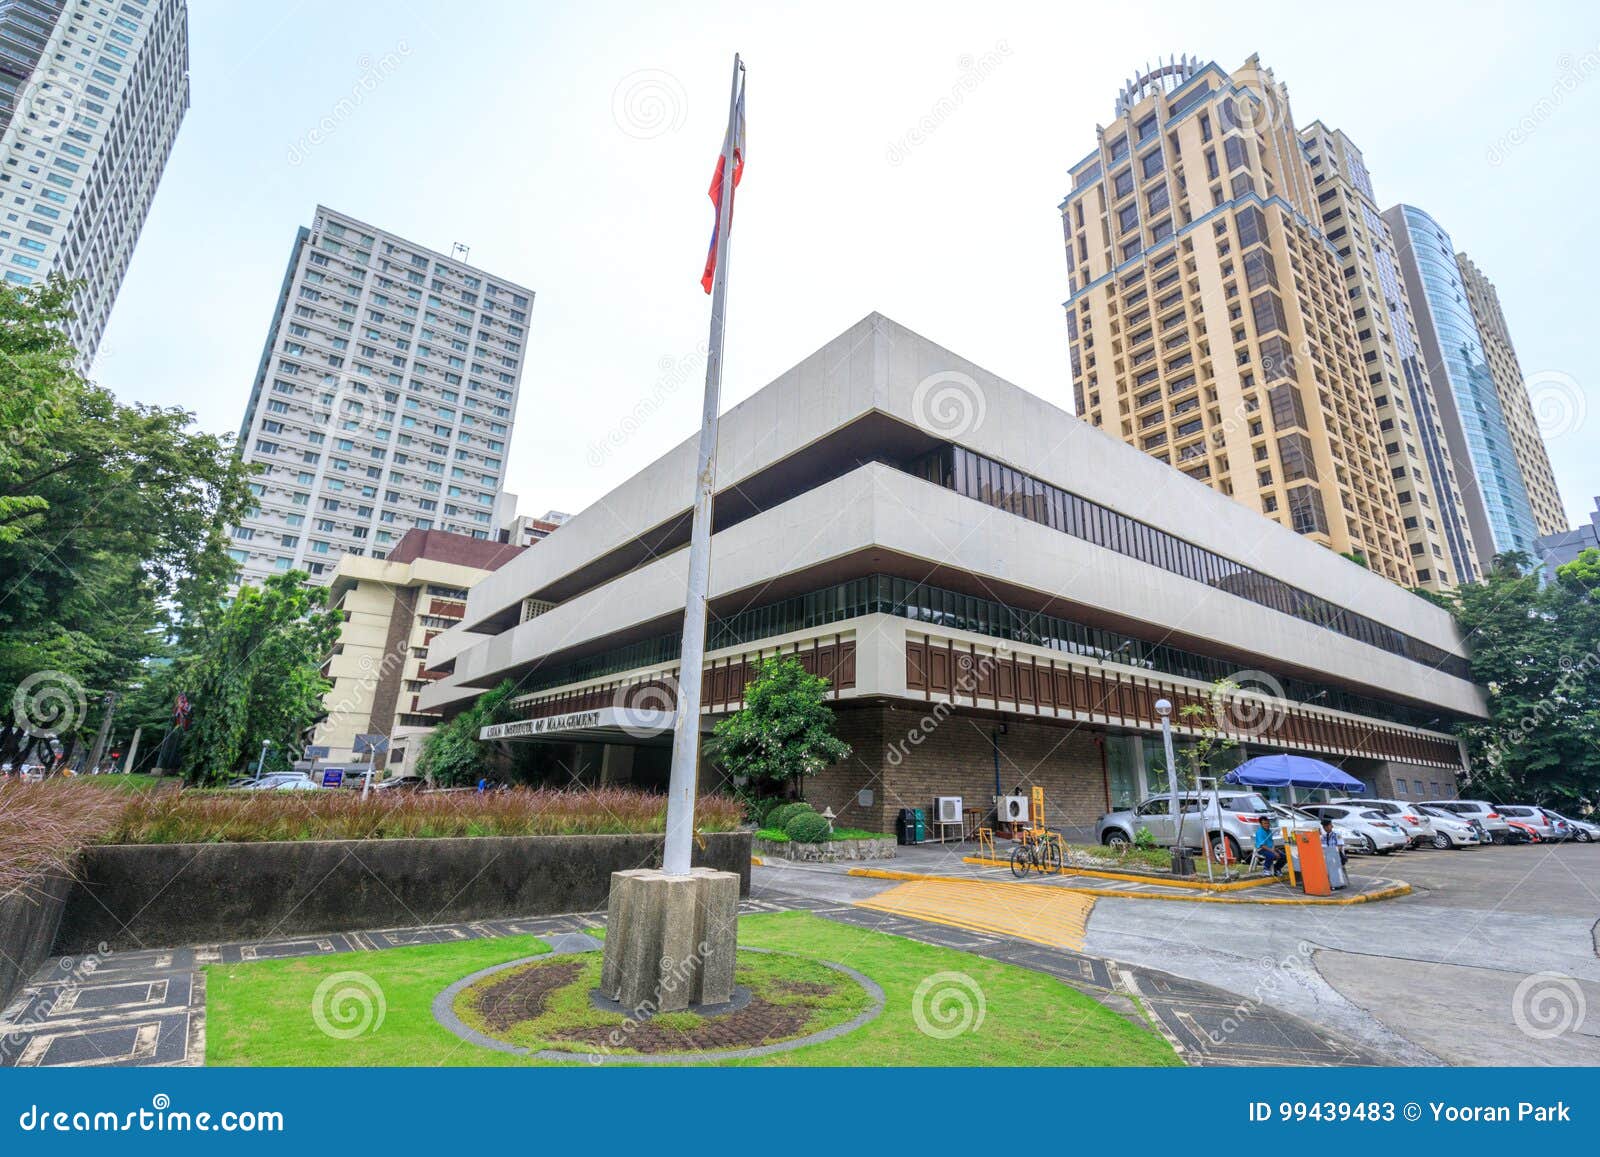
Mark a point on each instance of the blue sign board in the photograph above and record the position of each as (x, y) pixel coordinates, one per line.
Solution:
(332, 776)
(316, 751)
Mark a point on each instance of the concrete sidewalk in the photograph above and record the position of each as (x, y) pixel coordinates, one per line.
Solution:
(960, 862)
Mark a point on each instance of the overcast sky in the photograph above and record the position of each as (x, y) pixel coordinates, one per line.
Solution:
(570, 145)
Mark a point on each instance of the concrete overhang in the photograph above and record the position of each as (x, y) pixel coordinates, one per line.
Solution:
(883, 518)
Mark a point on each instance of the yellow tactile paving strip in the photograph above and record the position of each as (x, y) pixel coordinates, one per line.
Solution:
(1042, 915)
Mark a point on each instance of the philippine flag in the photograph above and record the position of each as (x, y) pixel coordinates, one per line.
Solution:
(736, 134)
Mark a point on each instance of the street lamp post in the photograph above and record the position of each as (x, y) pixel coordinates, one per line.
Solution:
(261, 764)
(1164, 709)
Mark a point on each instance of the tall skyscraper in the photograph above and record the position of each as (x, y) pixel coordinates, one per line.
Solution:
(1475, 422)
(1208, 322)
(1425, 481)
(1527, 443)
(91, 97)
(384, 400)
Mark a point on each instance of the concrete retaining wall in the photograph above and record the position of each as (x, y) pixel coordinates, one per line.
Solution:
(29, 919)
(166, 895)
(833, 850)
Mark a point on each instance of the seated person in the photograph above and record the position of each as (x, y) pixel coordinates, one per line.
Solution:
(1271, 858)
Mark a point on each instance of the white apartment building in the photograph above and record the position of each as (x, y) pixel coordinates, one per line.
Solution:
(91, 97)
(384, 400)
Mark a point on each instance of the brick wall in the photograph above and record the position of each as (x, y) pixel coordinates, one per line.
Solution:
(1385, 774)
(907, 754)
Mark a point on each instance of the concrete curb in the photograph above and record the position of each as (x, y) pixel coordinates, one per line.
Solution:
(1132, 877)
(1388, 893)
(444, 1014)
(1391, 890)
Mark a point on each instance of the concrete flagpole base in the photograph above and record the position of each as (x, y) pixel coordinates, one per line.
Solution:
(670, 940)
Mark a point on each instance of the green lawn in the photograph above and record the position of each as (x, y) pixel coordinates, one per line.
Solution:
(133, 782)
(261, 1013)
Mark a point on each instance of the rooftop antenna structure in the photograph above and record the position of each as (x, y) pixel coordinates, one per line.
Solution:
(1165, 76)
(460, 251)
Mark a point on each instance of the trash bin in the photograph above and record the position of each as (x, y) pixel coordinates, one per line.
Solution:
(905, 826)
(922, 825)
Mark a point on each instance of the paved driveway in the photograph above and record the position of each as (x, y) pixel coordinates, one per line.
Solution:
(1493, 960)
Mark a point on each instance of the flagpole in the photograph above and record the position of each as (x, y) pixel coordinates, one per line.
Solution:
(686, 730)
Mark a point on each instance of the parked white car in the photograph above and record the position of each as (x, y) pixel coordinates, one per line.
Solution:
(1450, 831)
(1418, 828)
(1582, 830)
(1298, 820)
(1362, 829)
(1484, 812)
(281, 781)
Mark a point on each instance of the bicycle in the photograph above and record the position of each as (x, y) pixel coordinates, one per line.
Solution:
(1037, 851)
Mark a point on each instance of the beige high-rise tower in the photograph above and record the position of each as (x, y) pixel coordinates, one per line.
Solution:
(1526, 441)
(1209, 323)
(1425, 481)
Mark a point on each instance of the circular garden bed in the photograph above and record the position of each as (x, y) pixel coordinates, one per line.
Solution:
(550, 1006)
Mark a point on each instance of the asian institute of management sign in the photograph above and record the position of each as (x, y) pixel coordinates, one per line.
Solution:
(602, 723)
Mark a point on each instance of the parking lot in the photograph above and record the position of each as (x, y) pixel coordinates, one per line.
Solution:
(1493, 960)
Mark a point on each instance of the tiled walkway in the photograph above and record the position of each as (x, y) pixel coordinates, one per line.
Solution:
(1049, 916)
(148, 1008)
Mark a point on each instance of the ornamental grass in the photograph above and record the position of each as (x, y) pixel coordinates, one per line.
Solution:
(195, 817)
(42, 826)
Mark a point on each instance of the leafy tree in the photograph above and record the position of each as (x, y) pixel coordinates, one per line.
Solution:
(1582, 573)
(112, 517)
(37, 377)
(453, 753)
(785, 731)
(1536, 649)
(258, 674)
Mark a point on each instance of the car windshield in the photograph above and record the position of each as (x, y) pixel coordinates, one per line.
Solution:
(1521, 813)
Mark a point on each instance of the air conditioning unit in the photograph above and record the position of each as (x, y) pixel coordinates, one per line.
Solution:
(1013, 809)
(947, 809)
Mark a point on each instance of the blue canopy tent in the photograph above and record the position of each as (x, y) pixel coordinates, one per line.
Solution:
(1292, 771)
(1285, 770)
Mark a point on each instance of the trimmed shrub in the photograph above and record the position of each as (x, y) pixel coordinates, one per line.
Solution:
(807, 828)
(780, 816)
(761, 809)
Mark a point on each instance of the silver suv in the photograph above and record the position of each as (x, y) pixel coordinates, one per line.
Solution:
(1548, 830)
(1235, 826)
